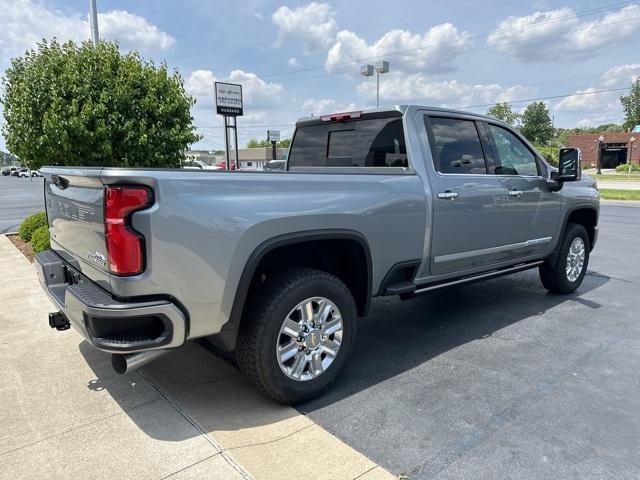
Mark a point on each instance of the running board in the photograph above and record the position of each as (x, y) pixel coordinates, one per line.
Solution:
(482, 276)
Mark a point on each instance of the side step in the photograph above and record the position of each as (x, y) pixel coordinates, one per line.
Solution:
(401, 288)
(481, 276)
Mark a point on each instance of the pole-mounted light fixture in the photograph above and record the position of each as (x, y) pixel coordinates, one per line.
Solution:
(367, 71)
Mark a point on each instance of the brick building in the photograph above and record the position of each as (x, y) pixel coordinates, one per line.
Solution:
(615, 148)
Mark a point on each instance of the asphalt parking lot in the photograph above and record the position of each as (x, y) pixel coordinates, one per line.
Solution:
(501, 379)
(19, 197)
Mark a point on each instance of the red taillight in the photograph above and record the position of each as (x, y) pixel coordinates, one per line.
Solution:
(125, 246)
(340, 117)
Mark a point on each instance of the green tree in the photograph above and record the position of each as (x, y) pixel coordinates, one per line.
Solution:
(631, 105)
(536, 123)
(504, 112)
(255, 143)
(76, 104)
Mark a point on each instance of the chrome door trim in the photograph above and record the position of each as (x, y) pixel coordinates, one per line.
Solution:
(486, 251)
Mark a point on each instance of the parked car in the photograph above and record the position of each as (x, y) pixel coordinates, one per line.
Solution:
(275, 165)
(36, 173)
(14, 171)
(198, 165)
(390, 202)
(24, 173)
(6, 171)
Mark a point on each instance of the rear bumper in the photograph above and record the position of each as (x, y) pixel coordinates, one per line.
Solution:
(110, 325)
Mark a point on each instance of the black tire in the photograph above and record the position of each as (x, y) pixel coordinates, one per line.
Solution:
(259, 334)
(554, 278)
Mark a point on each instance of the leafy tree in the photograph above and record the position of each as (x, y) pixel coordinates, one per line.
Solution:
(504, 112)
(78, 104)
(631, 105)
(254, 143)
(536, 123)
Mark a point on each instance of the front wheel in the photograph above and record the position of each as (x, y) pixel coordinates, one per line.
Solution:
(298, 330)
(571, 266)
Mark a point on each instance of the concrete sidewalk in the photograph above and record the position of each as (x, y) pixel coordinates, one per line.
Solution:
(190, 415)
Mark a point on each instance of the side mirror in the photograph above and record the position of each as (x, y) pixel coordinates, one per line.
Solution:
(568, 165)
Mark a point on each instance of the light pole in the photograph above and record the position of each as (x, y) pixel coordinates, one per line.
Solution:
(93, 20)
(380, 67)
(630, 155)
(600, 141)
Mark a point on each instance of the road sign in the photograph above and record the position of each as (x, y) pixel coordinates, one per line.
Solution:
(273, 135)
(228, 99)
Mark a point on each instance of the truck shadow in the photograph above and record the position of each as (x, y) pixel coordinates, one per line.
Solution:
(396, 337)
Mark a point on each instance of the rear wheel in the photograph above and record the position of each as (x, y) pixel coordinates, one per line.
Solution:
(571, 266)
(296, 334)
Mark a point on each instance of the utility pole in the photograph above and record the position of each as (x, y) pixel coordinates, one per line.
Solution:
(93, 20)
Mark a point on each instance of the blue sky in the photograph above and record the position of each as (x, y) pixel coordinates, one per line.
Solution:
(301, 58)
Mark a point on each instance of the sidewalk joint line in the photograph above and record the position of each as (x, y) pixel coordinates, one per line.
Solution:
(79, 427)
(270, 441)
(196, 425)
(189, 466)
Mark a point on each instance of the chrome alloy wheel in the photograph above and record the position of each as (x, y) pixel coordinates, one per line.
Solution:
(309, 339)
(575, 259)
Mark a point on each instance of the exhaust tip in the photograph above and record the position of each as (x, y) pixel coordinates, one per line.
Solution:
(128, 362)
(119, 363)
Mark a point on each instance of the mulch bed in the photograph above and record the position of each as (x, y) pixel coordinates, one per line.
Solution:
(23, 246)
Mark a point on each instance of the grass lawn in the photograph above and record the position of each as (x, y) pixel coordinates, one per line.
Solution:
(610, 177)
(620, 194)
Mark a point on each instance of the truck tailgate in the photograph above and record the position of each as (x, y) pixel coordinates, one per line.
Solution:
(74, 200)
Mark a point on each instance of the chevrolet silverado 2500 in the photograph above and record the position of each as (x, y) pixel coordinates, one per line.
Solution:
(276, 267)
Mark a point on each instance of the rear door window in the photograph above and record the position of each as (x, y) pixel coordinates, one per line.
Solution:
(377, 142)
(455, 146)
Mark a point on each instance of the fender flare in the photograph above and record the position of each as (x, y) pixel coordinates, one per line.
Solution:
(226, 339)
(553, 257)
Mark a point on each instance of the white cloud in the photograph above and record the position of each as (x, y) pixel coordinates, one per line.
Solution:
(435, 51)
(293, 62)
(621, 75)
(585, 100)
(200, 84)
(560, 33)
(313, 23)
(133, 32)
(256, 93)
(326, 105)
(420, 89)
(25, 22)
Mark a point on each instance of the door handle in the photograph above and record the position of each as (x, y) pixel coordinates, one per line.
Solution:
(447, 195)
(515, 193)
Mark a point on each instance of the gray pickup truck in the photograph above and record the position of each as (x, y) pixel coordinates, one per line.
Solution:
(276, 267)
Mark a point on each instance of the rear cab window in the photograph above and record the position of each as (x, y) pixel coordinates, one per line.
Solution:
(368, 141)
(456, 146)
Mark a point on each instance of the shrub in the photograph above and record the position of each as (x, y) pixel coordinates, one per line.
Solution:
(40, 240)
(624, 168)
(31, 224)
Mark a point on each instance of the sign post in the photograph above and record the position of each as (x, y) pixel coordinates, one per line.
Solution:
(229, 105)
(274, 137)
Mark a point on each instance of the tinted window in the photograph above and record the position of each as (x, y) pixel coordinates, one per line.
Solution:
(514, 158)
(456, 146)
(361, 143)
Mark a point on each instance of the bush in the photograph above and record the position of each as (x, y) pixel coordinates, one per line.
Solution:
(31, 224)
(40, 240)
(624, 168)
(80, 104)
(549, 153)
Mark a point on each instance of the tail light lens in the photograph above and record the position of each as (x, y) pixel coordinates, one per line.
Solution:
(125, 246)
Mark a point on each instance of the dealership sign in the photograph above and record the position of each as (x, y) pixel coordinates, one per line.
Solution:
(228, 99)
(273, 135)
